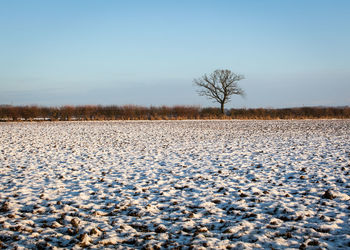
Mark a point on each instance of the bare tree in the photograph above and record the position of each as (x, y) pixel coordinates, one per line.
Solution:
(219, 86)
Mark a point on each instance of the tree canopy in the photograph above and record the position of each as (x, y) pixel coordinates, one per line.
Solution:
(220, 86)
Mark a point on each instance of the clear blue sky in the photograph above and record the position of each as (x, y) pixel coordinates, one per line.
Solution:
(292, 53)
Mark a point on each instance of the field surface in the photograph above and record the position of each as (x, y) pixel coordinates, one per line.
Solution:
(175, 184)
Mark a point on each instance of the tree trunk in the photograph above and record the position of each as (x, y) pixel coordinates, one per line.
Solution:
(222, 108)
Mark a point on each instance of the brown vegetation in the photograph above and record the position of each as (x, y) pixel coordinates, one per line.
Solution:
(131, 112)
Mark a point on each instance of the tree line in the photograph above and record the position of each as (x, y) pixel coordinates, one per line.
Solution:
(132, 112)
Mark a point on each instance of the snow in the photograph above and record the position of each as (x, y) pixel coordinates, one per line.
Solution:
(165, 184)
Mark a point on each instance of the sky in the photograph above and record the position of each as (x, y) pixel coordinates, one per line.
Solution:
(62, 52)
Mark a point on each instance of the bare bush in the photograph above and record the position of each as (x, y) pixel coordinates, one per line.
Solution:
(132, 112)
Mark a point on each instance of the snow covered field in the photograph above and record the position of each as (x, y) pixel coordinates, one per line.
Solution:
(173, 184)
